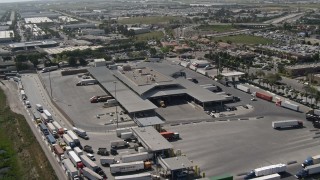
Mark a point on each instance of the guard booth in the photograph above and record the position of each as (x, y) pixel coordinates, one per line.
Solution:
(177, 167)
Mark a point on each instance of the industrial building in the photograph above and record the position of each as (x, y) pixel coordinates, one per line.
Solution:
(41, 14)
(66, 19)
(141, 89)
(95, 32)
(37, 20)
(32, 45)
(57, 50)
(6, 36)
(302, 69)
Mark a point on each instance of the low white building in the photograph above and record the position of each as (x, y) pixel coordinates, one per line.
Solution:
(6, 36)
(99, 62)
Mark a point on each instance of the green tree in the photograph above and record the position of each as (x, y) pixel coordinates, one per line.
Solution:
(153, 51)
(72, 61)
(82, 62)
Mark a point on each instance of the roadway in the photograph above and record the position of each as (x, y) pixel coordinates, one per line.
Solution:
(16, 105)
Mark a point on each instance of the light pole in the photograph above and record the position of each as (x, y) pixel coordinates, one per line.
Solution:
(115, 96)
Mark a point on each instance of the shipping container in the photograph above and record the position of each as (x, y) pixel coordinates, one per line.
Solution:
(263, 96)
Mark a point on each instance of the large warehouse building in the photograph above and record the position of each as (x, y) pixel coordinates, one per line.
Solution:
(6, 36)
(142, 89)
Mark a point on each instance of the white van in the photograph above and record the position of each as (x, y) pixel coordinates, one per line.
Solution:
(39, 108)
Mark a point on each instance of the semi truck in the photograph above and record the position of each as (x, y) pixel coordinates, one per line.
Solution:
(39, 108)
(313, 115)
(263, 96)
(309, 170)
(69, 141)
(60, 130)
(52, 129)
(268, 177)
(89, 163)
(288, 105)
(58, 151)
(44, 118)
(44, 129)
(75, 159)
(142, 176)
(127, 167)
(119, 143)
(106, 161)
(85, 82)
(48, 69)
(170, 135)
(267, 170)
(51, 140)
(287, 124)
(311, 161)
(103, 98)
(110, 103)
(89, 174)
(81, 133)
(122, 130)
(74, 137)
(144, 156)
(243, 88)
(48, 114)
(71, 171)
(78, 151)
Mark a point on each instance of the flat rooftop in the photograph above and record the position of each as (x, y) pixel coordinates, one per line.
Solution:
(175, 163)
(148, 121)
(151, 139)
(37, 20)
(131, 101)
(32, 43)
(302, 66)
(58, 50)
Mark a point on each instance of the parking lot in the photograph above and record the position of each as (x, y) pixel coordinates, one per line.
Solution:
(238, 146)
(75, 101)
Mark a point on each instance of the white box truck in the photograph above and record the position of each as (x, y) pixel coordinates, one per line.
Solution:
(106, 161)
(126, 167)
(243, 88)
(78, 151)
(89, 163)
(39, 108)
(287, 124)
(267, 170)
(74, 137)
(136, 157)
(289, 105)
(89, 174)
(142, 176)
(119, 143)
(48, 114)
(268, 177)
(71, 171)
(122, 130)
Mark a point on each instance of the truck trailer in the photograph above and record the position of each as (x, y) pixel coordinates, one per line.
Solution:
(67, 139)
(75, 159)
(85, 82)
(289, 105)
(287, 124)
(122, 130)
(51, 140)
(267, 170)
(60, 130)
(263, 96)
(52, 129)
(89, 163)
(309, 170)
(48, 114)
(89, 174)
(78, 151)
(311, 161)
(71, 171)
(44, 129)
(81, 133)
(268, 177)
(136, 157)
(243, 88)
(106, 161)
(74, 137)
(126, 167)
(119, 143)
(58, 151)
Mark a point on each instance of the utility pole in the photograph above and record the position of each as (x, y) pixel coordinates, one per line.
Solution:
(115, 96)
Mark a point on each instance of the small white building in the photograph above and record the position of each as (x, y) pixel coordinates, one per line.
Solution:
(99, 62)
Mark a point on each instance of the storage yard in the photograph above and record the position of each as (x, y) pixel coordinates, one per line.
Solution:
(139, 132)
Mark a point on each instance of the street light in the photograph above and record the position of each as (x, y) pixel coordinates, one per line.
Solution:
(115, 96)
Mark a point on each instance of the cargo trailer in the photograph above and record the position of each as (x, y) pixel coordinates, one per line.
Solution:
(89, 174)
(267, 170)
(71, 171)
(142, 176)
(287, 124)
(126, 167)
(144, 156)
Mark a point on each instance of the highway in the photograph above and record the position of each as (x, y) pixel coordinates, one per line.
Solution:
(16, 104)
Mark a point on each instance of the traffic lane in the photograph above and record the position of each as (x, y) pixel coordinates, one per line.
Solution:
(16, 103)
(247, 144)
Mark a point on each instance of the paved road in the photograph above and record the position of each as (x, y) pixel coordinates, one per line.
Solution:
(16, 105)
